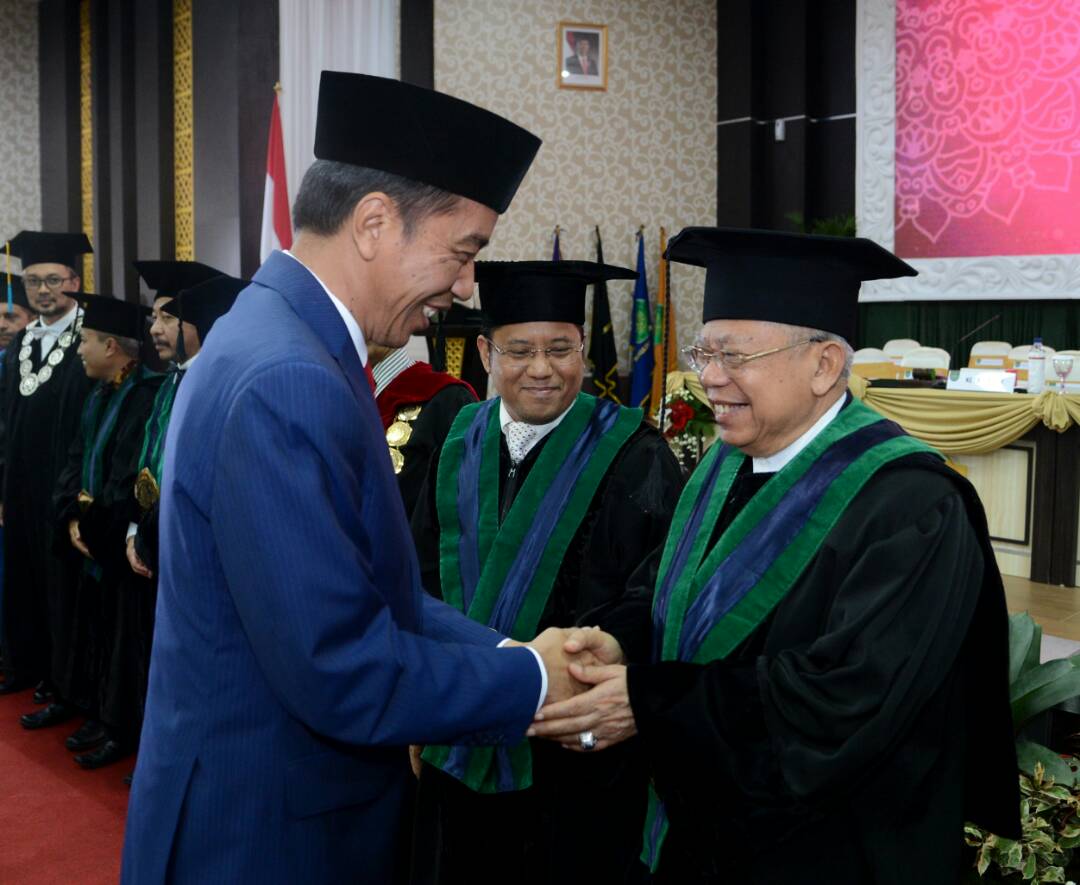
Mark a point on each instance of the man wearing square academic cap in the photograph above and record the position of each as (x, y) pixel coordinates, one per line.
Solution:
(295, 653)
(92, 506)
(570, 494)
(42, 412)
(167, 279)
(828, 697)
(182, 324)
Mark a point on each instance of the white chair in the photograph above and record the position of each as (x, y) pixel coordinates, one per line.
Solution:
(897, 347)
(871, 363)
(927, 358)
(989, 354)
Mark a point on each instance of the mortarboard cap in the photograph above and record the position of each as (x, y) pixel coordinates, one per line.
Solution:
(167, 278)
(422, 135)
(796, 279)
(18, 293)
(204, 304)
(540, 291)
(113, 316)
(39, 247)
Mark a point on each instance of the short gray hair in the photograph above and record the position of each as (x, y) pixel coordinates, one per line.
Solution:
(801, 333)
(330, 191)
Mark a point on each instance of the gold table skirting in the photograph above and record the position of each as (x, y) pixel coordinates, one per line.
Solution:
(952, 421)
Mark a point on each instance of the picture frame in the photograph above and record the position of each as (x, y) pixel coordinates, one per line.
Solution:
(582, 56)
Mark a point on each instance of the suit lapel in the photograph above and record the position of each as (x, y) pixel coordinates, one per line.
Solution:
(307, 297)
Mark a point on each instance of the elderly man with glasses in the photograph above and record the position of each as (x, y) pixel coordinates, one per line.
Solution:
(541, 504)
(43, 405)
(827, 700)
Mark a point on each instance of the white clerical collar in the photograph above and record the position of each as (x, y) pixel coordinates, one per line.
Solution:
(355, 332)
(775, 463)
(542, 430)
(186, 364)
(57, 328)
(385, 372)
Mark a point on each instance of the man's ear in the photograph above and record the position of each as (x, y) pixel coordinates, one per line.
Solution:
(485, 352)
(371, 222)
(830, 366)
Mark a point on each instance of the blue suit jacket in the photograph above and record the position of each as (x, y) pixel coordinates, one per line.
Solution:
(295, 654)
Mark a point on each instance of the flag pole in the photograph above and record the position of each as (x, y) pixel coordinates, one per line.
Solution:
(667, 339)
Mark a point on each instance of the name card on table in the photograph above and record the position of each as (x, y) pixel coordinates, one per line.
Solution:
(981, 380)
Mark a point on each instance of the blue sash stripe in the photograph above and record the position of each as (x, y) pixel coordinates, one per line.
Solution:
(469, 503)
(551, 508)
(682, 552)
(743, 568)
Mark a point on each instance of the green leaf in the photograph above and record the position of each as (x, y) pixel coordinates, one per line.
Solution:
(1029, 868)
(1022, 629)
(1029, 754)
(1042, 688)
(1052, 874)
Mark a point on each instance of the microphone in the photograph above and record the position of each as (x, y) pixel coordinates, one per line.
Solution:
(978, 328)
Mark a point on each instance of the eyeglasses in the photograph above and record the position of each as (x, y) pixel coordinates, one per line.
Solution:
(698, 358)
(522, 356)
(52, 281)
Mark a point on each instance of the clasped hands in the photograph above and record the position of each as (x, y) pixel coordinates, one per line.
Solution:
(586, 688)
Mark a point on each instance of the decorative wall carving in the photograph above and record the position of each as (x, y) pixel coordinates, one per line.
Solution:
(184, 131)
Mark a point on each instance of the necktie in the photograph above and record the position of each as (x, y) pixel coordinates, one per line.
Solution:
(518, 436)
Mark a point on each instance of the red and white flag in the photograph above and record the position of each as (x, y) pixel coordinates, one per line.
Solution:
(276, 225)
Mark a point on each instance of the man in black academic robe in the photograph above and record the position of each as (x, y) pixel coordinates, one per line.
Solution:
(417, 405)
(178, 352)
(92, 504)
(837, 719)
(43, 399)
(533, 352)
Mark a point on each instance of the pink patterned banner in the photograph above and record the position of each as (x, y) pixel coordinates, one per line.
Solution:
(987, 128)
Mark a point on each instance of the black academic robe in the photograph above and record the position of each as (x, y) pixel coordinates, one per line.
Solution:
(858, 727)
(108, 652)
(581, 821)
(37, 579)
(428, 432)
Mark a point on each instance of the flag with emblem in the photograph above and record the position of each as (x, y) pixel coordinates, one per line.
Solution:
(603, 356)
(641, 338)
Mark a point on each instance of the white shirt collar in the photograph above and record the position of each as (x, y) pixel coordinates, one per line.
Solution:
(775, 463)
(57, 328)
(542, 430)
(186, 364)
(355, 332)
(386, 371)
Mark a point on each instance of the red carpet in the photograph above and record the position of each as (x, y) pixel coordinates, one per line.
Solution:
(58, 823)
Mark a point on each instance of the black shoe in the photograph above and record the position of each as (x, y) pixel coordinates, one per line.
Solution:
(53, 714)
(128, 778)
(43, 693)
(10, 686)
(108, 753)
(89, 734)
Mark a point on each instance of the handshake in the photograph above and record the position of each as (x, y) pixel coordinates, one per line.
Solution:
(587, 706)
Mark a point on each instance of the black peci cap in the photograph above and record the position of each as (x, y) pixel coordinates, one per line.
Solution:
(113, 316)
(540, 291)
(40, 247)
(167, 278)
(422, 135)
(206, 303)
(796, 279)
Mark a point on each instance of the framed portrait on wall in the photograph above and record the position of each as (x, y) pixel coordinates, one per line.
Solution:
(582, 57)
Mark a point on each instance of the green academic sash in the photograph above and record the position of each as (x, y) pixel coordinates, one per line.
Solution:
(502, 575)
(152, 455)
(708, 601)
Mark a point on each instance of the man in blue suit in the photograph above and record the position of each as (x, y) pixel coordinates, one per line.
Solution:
(295, 655)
